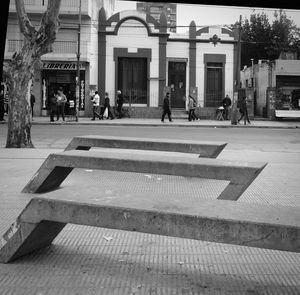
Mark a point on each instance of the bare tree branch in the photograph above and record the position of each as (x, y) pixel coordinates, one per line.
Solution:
(49, 26)
(26, 27)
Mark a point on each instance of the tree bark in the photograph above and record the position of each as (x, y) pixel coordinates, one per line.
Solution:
(21, 70)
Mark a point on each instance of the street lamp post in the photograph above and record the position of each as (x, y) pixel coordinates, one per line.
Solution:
(252, 65)
(234, 113)
(77, 105)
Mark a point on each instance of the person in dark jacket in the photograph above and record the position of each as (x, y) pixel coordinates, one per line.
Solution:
(244, 111)
(52, 105)
(226, 103)
(119, 104)
(32, 102)
(166, 108)
(107, 106)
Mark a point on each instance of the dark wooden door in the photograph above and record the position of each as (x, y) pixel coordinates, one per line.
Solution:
(177, 83)
(132, 80)
(214, 85)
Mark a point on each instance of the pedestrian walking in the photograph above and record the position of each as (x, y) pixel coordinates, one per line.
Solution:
(119, 104)
(60, 103)
(2, 105)
(101, 106)
(32, 102)
(226, 103)
(244, 111)
(107, 107)
(166, 108)
(52, 106)
(191, 107)
(96, 104)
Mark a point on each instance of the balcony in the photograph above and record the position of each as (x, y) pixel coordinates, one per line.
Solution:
(63, 47)
(68, 7)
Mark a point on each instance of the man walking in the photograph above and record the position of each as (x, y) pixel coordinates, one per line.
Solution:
(60, 101)
(32, 102)
(244, 111)
(226, 105)
(52, 105)
(96, 102)
(166, 108)
(119, 104)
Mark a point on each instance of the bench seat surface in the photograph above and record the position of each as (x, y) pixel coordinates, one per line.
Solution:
(207, 208)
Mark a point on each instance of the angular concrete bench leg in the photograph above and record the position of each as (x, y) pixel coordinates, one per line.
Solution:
(233, 191)
(23, 238)
(236, 187)
(53, 177)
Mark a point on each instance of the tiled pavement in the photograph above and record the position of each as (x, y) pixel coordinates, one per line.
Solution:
(85, 260)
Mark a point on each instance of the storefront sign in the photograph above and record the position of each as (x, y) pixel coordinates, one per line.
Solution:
(61, 66)
(82, 90)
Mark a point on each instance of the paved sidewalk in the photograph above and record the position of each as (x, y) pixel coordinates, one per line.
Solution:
(88, 261)
(177, 122)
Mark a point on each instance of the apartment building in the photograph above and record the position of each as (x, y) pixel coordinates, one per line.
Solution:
(59, 67)
(156, 8)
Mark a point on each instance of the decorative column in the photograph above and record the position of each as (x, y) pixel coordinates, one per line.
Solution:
(102, 52)
(162, 52)
(192, 55)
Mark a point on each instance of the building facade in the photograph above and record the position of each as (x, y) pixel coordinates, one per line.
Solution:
(59, 68)
(275, 83)
(140, 57)
(155, 9)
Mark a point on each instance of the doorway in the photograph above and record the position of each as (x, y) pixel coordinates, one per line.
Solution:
(132, 79)
(214, 84)
(177, 83)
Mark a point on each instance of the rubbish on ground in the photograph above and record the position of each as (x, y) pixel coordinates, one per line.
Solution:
(107, 238)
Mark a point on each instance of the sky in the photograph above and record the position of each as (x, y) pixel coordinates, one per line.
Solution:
(211, 14)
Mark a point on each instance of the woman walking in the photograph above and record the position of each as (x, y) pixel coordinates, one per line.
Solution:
(107, 106)
(192, 107)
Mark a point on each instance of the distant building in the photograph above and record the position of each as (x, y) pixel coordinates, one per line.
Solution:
(276, 85)
(140, 57)
(156, 8)
(59, 67)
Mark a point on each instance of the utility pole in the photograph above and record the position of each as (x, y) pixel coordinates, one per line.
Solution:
(77, 104)
(234, 113)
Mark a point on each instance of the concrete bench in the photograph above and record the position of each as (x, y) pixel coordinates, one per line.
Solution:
(206, 149)
(254, 225)
(287, 113)
(213, 220)
(58, 166)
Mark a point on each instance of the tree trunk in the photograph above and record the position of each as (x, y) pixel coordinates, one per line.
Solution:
(21, 68)
(19, 116)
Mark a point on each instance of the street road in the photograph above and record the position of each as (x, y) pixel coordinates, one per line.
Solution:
(259, 139)
(82, 261)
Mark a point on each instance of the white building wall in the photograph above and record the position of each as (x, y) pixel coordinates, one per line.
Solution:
(93, 56)
(263, 83)
(179, 51)
(208, 48)
(287, 67)
(132, 35)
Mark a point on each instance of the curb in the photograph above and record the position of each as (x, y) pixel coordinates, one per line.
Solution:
(164, 125)
(158, 124)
